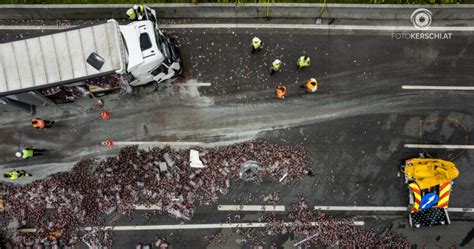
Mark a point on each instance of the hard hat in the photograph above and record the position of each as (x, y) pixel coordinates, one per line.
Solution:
(131, 14)
(277, 61)
(18, 154)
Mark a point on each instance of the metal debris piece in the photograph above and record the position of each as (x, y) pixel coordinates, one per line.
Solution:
(163, 167)
(249, 171)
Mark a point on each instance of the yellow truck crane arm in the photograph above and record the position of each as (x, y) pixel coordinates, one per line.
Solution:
(427, 172)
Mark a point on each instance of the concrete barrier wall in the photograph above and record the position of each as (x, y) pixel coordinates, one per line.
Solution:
(239, 11)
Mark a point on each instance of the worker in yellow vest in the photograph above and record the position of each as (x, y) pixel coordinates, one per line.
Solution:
(257, 44)
(136, 13)
(276, 66)
(303, 61)
(15, 174)
(29, 153)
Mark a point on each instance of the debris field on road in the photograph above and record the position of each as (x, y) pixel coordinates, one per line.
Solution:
(161, 177)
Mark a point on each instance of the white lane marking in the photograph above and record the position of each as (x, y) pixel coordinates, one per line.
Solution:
(383, 209)
(186, 226)
(439, 146)
(455, 88)
(151, 207)
(359, 208)
(262, 208)
(310, 26)
(261, 26)
(193, 84)
(308, 238)
(157, 143)
(137, 207)
(461, 210)
(37, 27)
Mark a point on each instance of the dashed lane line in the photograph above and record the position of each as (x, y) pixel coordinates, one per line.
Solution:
(186, 226)
(383, 209)
(439, 146)
(449, 88)
(157, 143)
(260, 208)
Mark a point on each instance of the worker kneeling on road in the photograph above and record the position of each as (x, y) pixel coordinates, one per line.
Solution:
(311, 85)
(280, 92)
(28, 153)
(303, 61)
(136, 13)
(14, 174)
(40, 123)
(276, 66)
(257, 44)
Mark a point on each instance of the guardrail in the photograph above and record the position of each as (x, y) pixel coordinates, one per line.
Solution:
(238, 11)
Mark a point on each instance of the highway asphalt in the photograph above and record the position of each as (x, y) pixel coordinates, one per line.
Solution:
(354, 127)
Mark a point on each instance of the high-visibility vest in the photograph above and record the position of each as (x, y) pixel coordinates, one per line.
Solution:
(13, 175)
(303, 61)
(311, 85)
(256, 43)
(27, 153)
(276, 65)
(280, 92)
(131, 14)
(38, 123)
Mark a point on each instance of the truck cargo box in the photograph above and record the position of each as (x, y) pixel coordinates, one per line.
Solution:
(61, 58)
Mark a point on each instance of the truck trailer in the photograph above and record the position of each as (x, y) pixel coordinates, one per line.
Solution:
(64, 66)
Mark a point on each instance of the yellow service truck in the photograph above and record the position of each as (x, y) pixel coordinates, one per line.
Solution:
(429, 183)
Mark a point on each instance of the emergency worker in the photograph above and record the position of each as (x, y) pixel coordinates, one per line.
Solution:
(29, 153)
(257, 44)
(311, 85)
(276, 66)
(136, 13)
(40, 123)
(280, 92)
(303, 61)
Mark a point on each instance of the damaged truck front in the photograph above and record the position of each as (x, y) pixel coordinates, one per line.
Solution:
(64, 66)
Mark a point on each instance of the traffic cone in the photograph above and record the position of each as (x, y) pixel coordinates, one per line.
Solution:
(109, 143)
(105, 115)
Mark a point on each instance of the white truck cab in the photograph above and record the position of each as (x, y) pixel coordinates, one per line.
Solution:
(151, 54)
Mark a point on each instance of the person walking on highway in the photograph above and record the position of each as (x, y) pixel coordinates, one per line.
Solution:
(40, 123)
(136, 13)
(276, 66)
(311, 85)
(280, 92)
(29, 153)
(303, 61)
(257, 44)
(15, 174)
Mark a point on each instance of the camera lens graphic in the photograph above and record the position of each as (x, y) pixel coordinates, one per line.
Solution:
(421, 19)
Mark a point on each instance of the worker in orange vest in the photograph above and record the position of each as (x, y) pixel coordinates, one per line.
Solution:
(40, 123)
(311, 85)
(280, 92)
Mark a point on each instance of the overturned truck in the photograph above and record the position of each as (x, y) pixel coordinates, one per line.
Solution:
(64, 66)
(429, 184)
